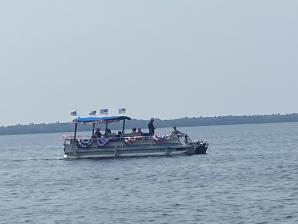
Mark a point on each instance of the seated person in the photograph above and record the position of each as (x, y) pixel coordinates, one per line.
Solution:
(134, 131)
(108, 132)
(97, 133)
(177, 133)
(139, 132)
(119, 134)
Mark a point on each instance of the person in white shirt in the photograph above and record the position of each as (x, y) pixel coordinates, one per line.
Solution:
(176, 132)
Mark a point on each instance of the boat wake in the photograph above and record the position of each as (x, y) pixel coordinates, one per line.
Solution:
(31, 159)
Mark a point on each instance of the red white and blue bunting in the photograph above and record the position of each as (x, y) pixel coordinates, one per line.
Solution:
(102, 141)
(85, 143)
(129, 140)
(160, 139)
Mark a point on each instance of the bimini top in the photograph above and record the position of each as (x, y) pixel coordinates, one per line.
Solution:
(101, 119)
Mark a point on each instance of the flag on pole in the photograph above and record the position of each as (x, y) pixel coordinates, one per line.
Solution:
(121, 111)
(92, 113)
(104, 111)
(74, 113)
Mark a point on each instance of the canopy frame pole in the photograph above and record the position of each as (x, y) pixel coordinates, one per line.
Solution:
(75, 131)
(93, 128)
(123, 127)
(106, 131)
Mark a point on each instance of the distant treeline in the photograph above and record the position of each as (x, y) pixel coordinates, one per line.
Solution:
(182, 122)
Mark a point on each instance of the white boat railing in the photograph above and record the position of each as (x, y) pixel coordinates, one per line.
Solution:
(126, 140)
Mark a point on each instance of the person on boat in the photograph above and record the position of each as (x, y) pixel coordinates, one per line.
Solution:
(133, 131)
(176, 132)
(139, 132)
(119, 134)
(97, 133)
(151, 127)
(108, 132)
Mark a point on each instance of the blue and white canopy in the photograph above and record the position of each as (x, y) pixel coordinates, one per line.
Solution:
(100, 119)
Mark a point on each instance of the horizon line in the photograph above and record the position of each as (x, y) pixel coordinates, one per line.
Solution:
(162, 119)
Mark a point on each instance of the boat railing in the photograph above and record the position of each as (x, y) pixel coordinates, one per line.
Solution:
(71, 137)
(127, 139)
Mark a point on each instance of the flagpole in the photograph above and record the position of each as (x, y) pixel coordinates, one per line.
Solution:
(75, 114)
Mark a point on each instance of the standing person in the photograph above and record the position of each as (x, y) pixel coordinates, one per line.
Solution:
(151, 127)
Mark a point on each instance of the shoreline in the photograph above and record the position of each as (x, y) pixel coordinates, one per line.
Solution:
(181, 122)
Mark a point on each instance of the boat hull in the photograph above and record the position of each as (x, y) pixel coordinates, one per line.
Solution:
(201, 149)
(74, 151)
(120, 153)
(130, 147)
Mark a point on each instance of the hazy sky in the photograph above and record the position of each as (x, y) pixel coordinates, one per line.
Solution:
(162, 58)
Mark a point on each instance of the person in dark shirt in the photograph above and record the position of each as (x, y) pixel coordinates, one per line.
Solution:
(133, 131)
(97, 133)
(139, 132)
(108, 132)
(151, 127)
(119, 134)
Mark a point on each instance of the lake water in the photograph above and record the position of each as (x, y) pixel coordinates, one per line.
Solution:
(250, 175)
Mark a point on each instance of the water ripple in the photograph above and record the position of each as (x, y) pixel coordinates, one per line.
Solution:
(248, 176)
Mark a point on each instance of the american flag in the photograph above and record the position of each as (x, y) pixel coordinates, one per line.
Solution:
(74, 113)
(104, 111)
(121, 111)
(92, 113)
